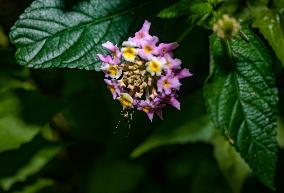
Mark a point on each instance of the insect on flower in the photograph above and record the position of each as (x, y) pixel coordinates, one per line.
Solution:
(143, 74)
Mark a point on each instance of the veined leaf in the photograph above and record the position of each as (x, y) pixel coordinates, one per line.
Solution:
(242, 99)
(269, 23)
(48, 34)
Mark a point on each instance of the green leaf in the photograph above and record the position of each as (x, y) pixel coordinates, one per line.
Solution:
(34, 165)
(196, 130)
(195, 9)
(37, 186)
(49, 34)
(242, 100)
(233, 167)
(269, 23)
(13, 130)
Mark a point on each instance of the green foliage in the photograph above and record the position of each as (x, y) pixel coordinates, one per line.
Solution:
(242, 100)
(279, 5)
(280, 132)
(233, 167)
(15, 169)
(13, 130)
(269, 23)
(4, 40)
(178, 9)
(37, 186)
(37, 162)
(124, 179)
(193, 166)
(196, 127)
(196, 130)
(197, 11)
(259, 2)
(195, 8)
(48, 34)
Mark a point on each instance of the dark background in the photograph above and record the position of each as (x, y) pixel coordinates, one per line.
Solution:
(83, 118)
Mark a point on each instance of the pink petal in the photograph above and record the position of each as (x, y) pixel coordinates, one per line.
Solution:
(150, 115)
(168, 91)
(184, 73)
(146, 26)
(166, 48)
(176, 63)
(105, 59)
(175, 83)
(175, 103)
(110, 46)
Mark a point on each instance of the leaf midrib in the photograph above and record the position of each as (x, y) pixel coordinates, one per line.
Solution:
(246, 119)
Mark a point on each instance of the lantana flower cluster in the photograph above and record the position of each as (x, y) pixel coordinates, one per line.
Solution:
(143, 74)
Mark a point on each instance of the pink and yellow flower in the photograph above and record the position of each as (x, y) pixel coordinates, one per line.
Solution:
(168, 83)
(142, 75)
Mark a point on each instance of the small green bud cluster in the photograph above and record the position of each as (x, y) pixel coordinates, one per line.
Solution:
(227, 27)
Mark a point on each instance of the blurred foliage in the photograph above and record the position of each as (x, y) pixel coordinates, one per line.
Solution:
(270, 26)
(37, 186)
(60, 130)
(233, 167)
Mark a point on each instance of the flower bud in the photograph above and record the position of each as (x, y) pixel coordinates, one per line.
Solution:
(226, 27)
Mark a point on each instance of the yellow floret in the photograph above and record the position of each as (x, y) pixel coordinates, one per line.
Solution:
(113, 71)
(129, 54)
(148, 49)
(155, 67)
(126, 100)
